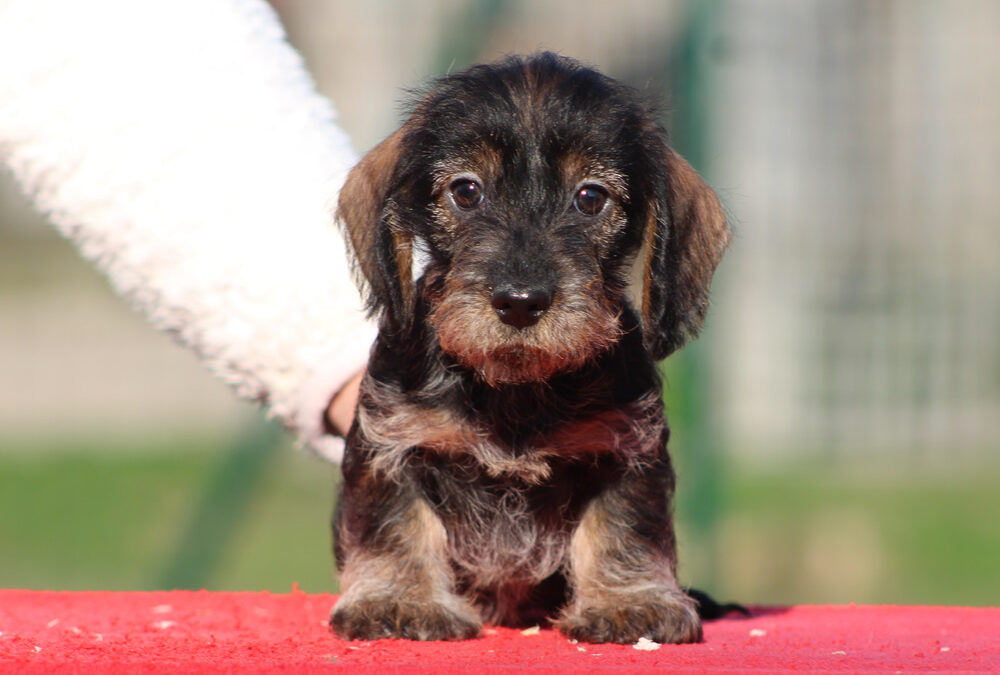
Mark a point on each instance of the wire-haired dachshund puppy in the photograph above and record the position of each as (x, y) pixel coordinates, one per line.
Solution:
(531, 247)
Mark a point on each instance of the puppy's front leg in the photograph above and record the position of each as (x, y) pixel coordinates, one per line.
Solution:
(396, 581)
(622, 565)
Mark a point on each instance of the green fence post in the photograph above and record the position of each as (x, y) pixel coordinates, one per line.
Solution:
(695, 443)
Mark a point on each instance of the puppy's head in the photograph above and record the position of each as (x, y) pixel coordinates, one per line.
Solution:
(540, 199)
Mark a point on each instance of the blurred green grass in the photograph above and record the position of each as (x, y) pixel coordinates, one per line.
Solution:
(111, 518)
(845, 532)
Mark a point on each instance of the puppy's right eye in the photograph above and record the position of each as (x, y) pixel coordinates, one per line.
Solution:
(467, 193)
(590, 200)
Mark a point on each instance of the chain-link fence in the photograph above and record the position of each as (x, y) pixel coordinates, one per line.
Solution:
(858, 148)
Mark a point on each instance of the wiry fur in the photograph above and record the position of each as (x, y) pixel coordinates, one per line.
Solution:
(517, 471)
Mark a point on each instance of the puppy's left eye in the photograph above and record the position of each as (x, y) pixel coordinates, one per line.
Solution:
(467, 193)
(590, 200)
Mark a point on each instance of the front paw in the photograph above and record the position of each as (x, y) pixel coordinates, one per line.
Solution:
(626, 620)
(377, 618)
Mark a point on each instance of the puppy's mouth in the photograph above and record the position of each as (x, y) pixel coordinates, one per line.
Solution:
(527, 340)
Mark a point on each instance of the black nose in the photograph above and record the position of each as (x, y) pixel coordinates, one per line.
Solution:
(521, 307)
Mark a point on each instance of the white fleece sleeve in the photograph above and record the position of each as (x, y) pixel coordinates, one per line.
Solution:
(182, 146)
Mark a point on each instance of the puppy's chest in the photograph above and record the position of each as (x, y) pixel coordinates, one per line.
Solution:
(505, 529)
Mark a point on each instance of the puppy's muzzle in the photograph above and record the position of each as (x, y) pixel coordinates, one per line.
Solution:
(519, 306)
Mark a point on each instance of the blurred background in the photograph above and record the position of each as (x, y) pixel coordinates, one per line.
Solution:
(835, 427)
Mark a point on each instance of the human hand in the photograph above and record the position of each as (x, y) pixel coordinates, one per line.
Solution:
(340, 414)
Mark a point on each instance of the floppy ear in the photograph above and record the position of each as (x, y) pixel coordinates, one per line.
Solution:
(684, 239)
(382, 250)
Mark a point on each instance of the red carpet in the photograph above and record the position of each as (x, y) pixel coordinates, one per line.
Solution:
(182, 632)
